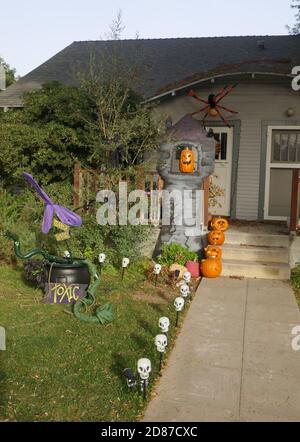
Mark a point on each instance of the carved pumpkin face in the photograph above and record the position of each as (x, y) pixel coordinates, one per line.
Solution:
(187, 161)
(213, 252)
(220, 224)
(211, 268)
(216, 238)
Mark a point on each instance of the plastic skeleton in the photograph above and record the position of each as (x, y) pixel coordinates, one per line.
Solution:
(212, 106)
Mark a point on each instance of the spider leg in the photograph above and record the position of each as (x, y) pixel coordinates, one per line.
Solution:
(204, 120)
(229, 89)
(205, 116)
(194, 95)
(222, 118)
(228, 110)
(221, 92)
(200, 110)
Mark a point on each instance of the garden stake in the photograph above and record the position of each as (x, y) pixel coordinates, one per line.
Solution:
(144, 370)
(179, 306)
(161, 361)
(161, 342)
(157, 270)
(125, 264)
(144, 388)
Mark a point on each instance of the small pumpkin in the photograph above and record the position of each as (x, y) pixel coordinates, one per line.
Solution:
(187, 161)
(219, 224)
(216, 238)
(211, 267)
(213, 252)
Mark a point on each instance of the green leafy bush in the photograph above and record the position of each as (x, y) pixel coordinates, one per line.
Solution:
(22, 214)
(175, 253)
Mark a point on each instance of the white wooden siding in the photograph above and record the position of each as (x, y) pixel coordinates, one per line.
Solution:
(255, 103)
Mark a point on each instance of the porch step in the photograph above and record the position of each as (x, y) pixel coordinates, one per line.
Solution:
(255, 253)
(257, 239)
(250, 269)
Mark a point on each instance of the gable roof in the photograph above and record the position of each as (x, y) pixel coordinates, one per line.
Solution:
(167, 63)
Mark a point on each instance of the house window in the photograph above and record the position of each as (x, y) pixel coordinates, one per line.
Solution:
(285, 147)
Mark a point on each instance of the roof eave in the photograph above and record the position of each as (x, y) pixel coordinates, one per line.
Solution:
(173, 91)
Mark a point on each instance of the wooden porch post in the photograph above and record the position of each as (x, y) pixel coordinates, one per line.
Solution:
(294, 201)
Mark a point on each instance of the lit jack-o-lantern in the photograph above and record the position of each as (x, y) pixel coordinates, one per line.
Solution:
(219, 224)
(213, 252)
(211, 267)
(187, 161)
(216, 238)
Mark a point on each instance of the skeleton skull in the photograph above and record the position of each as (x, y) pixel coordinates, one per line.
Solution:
(125, 262)
(185, 291)
(67, 254)
(164, 324)
(187, 277)
(102, 258)
(161, 342)
(144, 368)
(179, 304)
(157, 269)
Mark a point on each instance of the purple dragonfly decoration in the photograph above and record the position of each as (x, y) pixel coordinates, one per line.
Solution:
(65, 215)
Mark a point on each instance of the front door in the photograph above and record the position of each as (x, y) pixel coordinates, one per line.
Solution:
(220, 185)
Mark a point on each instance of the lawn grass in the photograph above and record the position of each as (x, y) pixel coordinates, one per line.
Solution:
(57, 368)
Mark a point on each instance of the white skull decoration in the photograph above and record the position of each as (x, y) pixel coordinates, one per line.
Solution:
(164, 324)
(157, 269)
(125, 262)
(179, 304)
(102, 258)
(144, 368)
(161, 342)
(185, 291)
(67, 254)
(187, 277)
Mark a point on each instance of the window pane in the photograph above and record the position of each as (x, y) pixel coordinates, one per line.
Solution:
(284, 147)
(224, 146)
(276, 147)
(292, 147)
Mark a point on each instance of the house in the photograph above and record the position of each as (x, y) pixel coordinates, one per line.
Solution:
(260, 149)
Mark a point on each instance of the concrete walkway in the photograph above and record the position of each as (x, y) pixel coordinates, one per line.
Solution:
(233, 360)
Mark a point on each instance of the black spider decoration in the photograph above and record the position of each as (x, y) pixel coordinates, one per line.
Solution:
(212, 106)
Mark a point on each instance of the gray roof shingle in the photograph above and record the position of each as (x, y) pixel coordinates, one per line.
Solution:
(166, 63)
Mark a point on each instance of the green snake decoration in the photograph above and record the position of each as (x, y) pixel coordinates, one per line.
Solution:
(103, 314)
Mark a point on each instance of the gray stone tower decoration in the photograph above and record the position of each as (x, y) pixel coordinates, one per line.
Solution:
(187, 133)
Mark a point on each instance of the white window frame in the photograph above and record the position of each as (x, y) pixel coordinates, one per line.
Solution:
(270, 165)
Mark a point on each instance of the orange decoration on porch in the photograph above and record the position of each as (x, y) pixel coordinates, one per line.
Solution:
(211, 267)
(216, 238)
(213, 252)
(187, 161)
(219, 224)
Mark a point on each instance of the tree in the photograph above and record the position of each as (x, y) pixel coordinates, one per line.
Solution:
(294, 30)
(102, 123)
(11, 76)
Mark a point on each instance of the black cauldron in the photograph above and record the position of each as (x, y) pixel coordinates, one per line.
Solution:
(67, 274)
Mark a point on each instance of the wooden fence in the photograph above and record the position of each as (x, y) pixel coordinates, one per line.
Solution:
(88, 182)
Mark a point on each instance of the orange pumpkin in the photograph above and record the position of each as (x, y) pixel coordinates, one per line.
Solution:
(187, 161)
(211, 268)
(219, 224)
(216, 238)
(213, 252)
